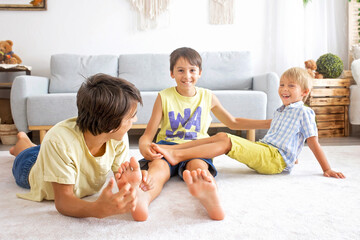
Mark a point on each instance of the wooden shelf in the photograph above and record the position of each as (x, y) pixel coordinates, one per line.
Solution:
(329, 99)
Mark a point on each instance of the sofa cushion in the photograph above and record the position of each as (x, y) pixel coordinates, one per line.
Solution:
(240, 103)
(149, 72)
(144, 112)
(68, 71)
(50, 109)
(244, 104)
(226, 70)
(221, 70)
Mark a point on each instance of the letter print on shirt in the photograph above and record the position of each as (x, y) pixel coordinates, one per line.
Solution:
(186, 122)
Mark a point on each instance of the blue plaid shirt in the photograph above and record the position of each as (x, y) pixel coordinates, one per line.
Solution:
(289, 129)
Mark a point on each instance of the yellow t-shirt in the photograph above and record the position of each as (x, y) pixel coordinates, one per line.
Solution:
(185, 118)
(65, 158)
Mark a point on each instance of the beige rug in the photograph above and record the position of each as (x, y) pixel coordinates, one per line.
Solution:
(300, 205)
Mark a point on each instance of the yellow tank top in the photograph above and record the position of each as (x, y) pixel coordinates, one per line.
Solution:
(185, 118)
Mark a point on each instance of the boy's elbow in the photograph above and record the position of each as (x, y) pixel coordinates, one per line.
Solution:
(61, 208)
(233, 124)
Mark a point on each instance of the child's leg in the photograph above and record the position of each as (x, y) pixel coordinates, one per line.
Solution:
(213, 139)
(202, 185)
(23, 142)
(202, 148)
(160, 173)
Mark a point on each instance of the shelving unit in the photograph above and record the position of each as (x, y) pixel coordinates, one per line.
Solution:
(330, 100)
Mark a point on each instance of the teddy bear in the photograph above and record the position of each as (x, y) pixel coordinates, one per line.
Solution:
(7, 56)
(2, 58)
(311, 67)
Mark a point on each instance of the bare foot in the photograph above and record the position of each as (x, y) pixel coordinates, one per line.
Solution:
(166, 152)
(297, 161)
(23, 142)
(130, 173)
(203, 187)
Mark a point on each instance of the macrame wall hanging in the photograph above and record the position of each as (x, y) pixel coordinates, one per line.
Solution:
(149, 12)
(221, 11)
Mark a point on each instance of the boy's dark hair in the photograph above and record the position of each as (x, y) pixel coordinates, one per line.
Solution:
(103, 101)
(189, 54)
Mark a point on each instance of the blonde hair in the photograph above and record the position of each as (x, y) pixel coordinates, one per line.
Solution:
(301, 77)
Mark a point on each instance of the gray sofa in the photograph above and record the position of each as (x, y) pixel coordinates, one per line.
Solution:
(37, 103)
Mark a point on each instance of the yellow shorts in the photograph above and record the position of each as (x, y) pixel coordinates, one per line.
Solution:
(261, 157)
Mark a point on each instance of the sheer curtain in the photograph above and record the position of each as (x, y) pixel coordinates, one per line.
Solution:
(297, 33)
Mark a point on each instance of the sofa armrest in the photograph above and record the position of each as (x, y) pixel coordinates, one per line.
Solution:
(22, 88)
(268, 83)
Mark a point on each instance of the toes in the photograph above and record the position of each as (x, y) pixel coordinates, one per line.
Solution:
(194, 175)
(134, 164)
(187, 177)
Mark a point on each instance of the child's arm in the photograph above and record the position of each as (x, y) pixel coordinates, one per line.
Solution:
(236, 123)
(107, 204)
(150, 131)
(315, 147)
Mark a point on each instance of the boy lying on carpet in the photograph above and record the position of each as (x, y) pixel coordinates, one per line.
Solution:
(293, 123)
(76, 155)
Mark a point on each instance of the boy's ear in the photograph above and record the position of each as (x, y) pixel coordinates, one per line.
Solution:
(200, 71)
(306, 92)
(172, 74)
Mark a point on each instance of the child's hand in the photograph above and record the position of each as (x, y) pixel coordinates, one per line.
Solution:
(110, 203)
(150, 154)
(147, 182)
(331, 173)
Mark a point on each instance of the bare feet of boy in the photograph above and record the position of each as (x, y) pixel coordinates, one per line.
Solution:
(203, 187)
(23, 142)
(166, 152)
(129, 172)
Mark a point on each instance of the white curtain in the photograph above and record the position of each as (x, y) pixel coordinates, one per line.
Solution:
(298, 33)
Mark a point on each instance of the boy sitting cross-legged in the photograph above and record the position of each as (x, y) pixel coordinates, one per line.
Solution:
(184, 114)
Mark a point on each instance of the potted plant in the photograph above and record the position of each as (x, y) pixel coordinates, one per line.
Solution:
(330, 65)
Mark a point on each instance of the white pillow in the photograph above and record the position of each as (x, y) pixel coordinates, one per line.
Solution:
(355, 70)
(355, 49)
(354, 108)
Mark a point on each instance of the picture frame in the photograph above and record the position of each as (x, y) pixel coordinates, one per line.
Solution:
(23, 5)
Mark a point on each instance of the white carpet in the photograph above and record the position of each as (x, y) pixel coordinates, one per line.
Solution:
(300, 205)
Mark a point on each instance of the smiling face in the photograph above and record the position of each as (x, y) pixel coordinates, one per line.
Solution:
(186, 76)
(290, 91)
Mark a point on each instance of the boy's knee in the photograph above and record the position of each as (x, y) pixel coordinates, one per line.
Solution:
(221, 136)
(195, 164)
(225, 140)
(160, 165)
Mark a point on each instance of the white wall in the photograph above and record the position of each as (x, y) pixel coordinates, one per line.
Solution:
(109, 27)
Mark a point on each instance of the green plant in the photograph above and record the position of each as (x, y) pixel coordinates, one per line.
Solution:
(330, 65)
(306, 2)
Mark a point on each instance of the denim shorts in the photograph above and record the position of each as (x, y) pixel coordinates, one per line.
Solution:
(23, 164)
(179, 168)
